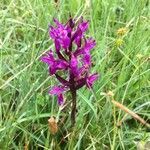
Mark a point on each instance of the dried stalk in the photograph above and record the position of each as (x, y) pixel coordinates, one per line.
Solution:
(131, 113)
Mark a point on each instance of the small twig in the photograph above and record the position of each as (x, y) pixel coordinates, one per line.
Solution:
(133, 114)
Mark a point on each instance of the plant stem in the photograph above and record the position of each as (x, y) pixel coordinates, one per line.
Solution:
(73, 112)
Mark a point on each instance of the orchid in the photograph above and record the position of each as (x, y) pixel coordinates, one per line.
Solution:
(72, 56)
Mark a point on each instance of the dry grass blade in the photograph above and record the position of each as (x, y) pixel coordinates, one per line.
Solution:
(130, 112)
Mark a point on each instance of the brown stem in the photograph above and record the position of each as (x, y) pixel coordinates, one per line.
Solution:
(133, 114)
(73, 112)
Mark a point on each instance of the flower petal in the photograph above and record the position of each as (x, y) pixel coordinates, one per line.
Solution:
(52, 69)
(60, 35)
(58, 65)
(84, 26)
(87, 59)
(57, 46)
(90, 80)
(49, 58)
(61, 64)
(65, 42)
(60, 99)
(77, 34)
(74, 65)
(58, 24)
(78, 41)
(57, 90)
(89, 44)
(80, 83)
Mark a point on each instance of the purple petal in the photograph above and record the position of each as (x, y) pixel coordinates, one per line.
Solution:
(87, 59)
(80, 83)
(57, 90)
(60, 99)
(74, 65)
(78, 52)
(84, 26)
(49, 58)
(89, 44)
(60, 35)
(90, 80)
(82, 73)
(77, 34)
(52, 69)
(78, 41)
(61, 64)
(58, 24)
(52, 32)
(57, 46)
(46, 59)
(65, 42)
(58, 65)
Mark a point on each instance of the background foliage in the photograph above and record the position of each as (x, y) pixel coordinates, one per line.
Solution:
(121, 57)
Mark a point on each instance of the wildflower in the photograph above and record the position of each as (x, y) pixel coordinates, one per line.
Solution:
(139, 56)
(90, 80)
(58, 90)
(119, 42)
(110, 93)
(74, 62)
(122, 31)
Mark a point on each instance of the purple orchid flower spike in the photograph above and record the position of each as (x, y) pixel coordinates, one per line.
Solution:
(74, 62)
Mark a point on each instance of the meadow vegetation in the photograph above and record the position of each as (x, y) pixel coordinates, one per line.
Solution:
(121, 57)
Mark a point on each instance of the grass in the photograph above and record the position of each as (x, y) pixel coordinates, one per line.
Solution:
(121, 61)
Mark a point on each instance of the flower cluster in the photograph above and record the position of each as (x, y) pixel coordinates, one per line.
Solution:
(72, 56)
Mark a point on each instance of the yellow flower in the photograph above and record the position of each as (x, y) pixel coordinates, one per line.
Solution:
(110, 93)
(122, 31)
(139, 56)
(119, 42)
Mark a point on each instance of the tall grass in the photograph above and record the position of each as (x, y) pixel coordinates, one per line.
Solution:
(121, 60)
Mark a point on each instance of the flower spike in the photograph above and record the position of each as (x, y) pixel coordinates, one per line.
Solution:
(71, 60)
